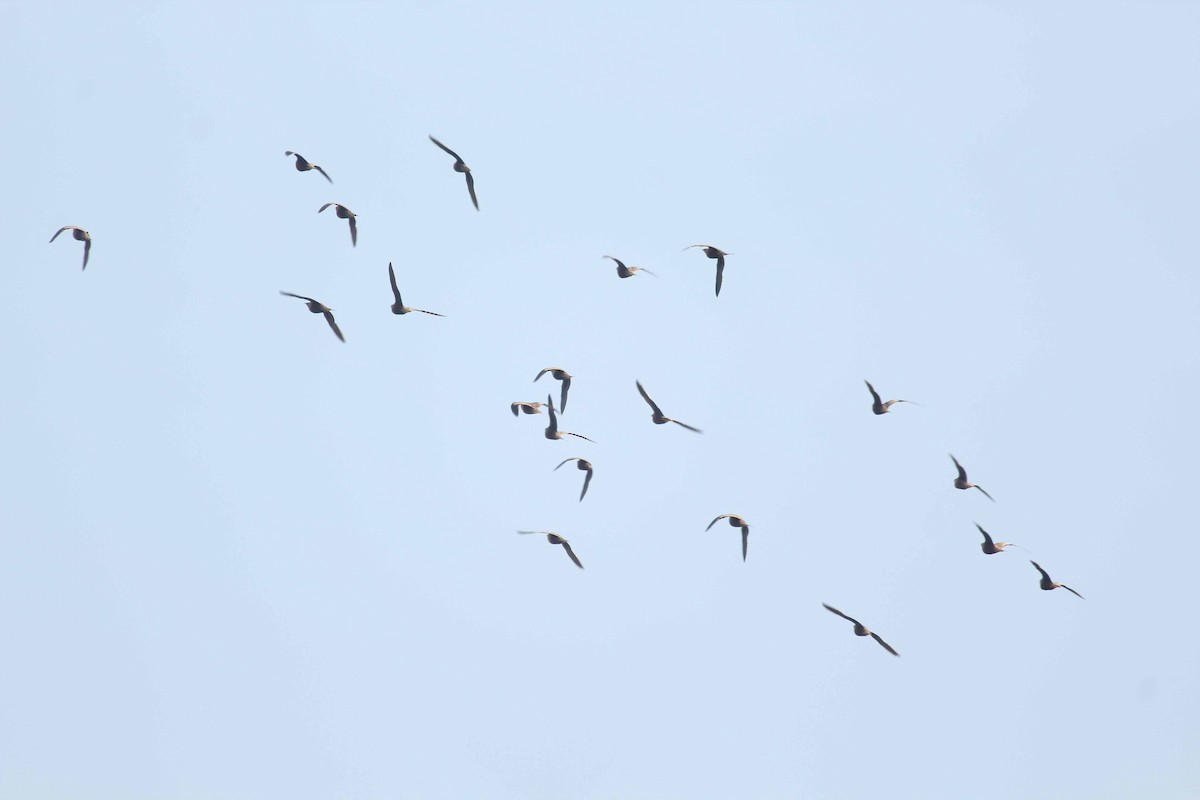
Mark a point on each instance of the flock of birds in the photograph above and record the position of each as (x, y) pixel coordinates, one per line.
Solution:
(552, 431)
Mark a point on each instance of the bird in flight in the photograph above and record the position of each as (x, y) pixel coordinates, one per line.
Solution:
(657, 417)
(554, 538)
(877, 405)
(735, 522)
(1048, 584)
(317, 307)
(988, 546)
(961, 481)
(552, 431)
(344, 213)
(562, 375)
(628, 272)
(80, 236)
(861, 630)
(398, 307)
(304, 165)
(522, 407)
(460, 166)
(719, 255)
(583, 465)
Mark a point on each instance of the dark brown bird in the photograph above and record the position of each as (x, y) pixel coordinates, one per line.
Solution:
(304, 165)
(520, 407)
(877, 405)
(460, 166)
(562, 375)
(988, 546)
(628, 272)
(961, 481)
(344, 213)
(583, 465)
(719, 255)
(1048, 584)
(317, 307)
(398, 307)
(554, 538)
(657, 417)
(735, 522)
(552, 431)
(80, 236)
(861, 630)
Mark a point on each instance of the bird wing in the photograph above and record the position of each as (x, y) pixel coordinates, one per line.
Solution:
(333, 324)
(447, 149)
(715, 521)
(353, 233)
(720, 271)
(579, 436)
(553, 426)
(87, 249)
(840, 614)
(566, 387)
(884, 644)
(1072, 591)
(323, 172)
(297, 296)
(543, 372)
(685, 425)
(985, 494)
(962, 473)
(471, 189)
(987, 538)
(540, 533)
(399, 302)
(430, 313)
(1045, 574)
(565, 460)
(60, 230)
(745, 541)
(567, 546)
(646, 397)
(586, 480)
(619, 262)
(874, 394)
(690, 246)
(327, 205)
(516, 409)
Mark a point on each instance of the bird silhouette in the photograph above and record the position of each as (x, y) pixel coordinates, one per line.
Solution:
(521, 407)
(961, 481)
(80, 235)
(735, 522)
(562, 375)
(460, 166)
(658, 417)
(552, 431)
(304, 165)
(317, 307)
(583, 465)
(554, 538)
(344, 213)
(719, 255)
(398, 307)
(988, 546)
(862, 630)
(878, 406)
(628, 272)
(1047, 584)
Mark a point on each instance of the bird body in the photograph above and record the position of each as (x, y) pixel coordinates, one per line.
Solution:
(877, 405)
(1047, 584)
(719, 255)
(735, 522)
(582, 465)
(657, 416)
(398, 307)
(562, 375)
(80, 235)
(988, 546)
(554, 538)
(304, 165)
(628, 272)
(317, 307)
(521, 407)
(961, 482)
(862, 630)
(461, 166)
(345, 213)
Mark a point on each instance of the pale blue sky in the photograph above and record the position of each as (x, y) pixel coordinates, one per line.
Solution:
(241, 559)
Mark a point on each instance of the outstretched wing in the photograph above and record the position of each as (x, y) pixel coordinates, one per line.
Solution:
(565, 460)
(619, 262)
(586, 480)
(1072, 591)
(471, 189)
(327, 205)
(60, 230)
(579, 436)
(333, 324)
(567, 546)
(297, 296)
(318, 169)
(430, 313)
(962, 473)
(353, 233)
(447, 149)
(646, 397)
(985, 494)
(718, 519)
(874, 394)
(840, 614)
(745, 540)
(720, 273)
(1045, 574)
(883, 644)
(399, 302)
(566, 387)
(986, 537)
(87, 249)
(685, 425)
(543, 372)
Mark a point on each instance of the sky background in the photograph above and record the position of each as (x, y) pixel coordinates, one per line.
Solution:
(240, 559)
